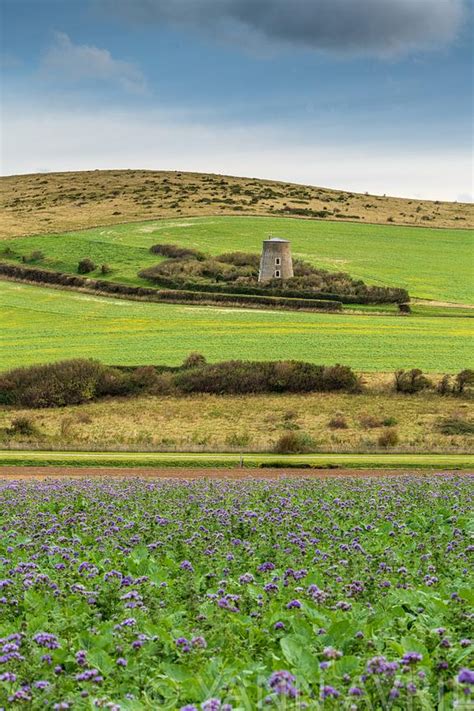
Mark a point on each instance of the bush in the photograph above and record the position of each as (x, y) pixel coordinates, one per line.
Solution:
(105, 269)
(338, 422)
(174, 251)
(294, 443)
(239, 377)
(456, 425)
(86, 266)
(68, 382)
(464, 379)
(411, 381)
(444, 386)
(388, 438)
(194, 360)
(23, 426)
(240, 259)
(369, 422)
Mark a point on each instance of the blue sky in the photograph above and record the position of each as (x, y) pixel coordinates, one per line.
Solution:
(368, 95)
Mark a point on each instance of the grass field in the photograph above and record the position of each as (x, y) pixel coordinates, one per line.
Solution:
(249, 422)
(48, 202)
(190, 459)
(422, 260)
(43, 325)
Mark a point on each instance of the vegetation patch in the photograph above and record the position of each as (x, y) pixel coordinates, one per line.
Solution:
(123, 587)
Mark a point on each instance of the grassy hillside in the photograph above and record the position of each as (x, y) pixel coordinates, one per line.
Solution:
(420, 260)
(43, 325)
(50, 202)
(250, 422)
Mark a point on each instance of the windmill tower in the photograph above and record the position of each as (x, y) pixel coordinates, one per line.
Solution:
(276, 261)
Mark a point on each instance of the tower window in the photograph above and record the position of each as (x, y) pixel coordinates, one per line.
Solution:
(277, 261)
(277, 274)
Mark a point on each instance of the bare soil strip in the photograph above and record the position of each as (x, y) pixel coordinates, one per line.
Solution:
(16, 473)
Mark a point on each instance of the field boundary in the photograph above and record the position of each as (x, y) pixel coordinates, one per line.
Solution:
(22, 458)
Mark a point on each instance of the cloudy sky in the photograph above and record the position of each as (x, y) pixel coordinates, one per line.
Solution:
(367, 95)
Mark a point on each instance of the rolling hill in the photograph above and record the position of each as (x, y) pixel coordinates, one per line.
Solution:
(51, 202)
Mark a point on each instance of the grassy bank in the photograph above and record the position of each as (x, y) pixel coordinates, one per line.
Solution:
(190, 459)
(333, 422)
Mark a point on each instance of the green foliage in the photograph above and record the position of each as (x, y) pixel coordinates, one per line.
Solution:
(85, 266)
(294, 443)
(410, 382)
(456, 425)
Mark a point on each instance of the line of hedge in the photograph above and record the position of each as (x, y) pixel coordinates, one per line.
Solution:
(72, 382)
(397, 295)
(47, 276)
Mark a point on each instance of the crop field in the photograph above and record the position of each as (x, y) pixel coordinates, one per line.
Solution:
(43, 325)
(218, 595)
(422, 260)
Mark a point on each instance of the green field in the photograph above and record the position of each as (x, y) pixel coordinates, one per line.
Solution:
(196, 459)
(430, 263)
(44, 325)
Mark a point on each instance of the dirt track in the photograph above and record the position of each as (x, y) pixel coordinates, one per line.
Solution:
(195, 473)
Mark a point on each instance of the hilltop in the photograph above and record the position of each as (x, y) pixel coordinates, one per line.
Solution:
(50, 202)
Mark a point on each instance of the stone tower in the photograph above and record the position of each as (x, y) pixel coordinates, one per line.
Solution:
(276, 261)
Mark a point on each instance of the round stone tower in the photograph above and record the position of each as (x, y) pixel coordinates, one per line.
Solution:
(276, 261)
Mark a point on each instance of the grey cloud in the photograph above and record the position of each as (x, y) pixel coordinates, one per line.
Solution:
(370, 27)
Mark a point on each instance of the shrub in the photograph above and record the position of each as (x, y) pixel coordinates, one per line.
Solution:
(68, 382)
(369, 422)
(194, 360)
(456, 425)
(35, 256)
(85, 266)
(240, 259)
(390, 421)
(174, 251)
(338, 422)
(411, 381)
(388, 438)
(105, 269)
(23, 426)
(464, 379)
(294, 443)
(238, 377)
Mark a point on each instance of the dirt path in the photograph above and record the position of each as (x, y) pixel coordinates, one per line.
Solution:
(20, 473)
(447, 304)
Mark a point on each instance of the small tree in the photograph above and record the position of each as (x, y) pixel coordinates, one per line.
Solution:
(410, 381)
(194, 360)
(464, 379)
(85, 266)
(105, 269)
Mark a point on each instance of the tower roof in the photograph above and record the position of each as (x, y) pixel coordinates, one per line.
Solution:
(275, 239)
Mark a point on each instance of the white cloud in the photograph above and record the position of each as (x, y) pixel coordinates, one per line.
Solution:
(43, 138)
(75, 63)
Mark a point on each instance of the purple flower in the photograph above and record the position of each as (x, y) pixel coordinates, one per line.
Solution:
(355, 691)
(412, 658)
(44, 639)
(328, 691)
(246, 578)
(282, 682)
(279, 625)
(187, 565)
(293, 604)
(466, 676)
(121, 662)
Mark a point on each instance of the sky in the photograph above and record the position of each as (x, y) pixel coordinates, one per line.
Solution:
(363, 95)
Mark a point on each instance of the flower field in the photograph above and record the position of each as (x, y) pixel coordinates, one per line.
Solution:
(218, 595)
